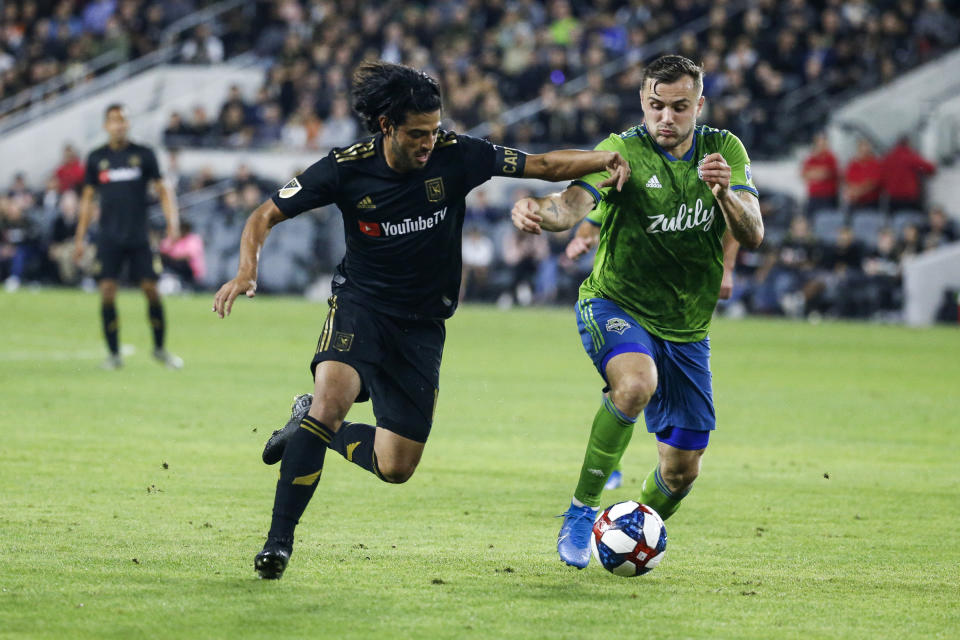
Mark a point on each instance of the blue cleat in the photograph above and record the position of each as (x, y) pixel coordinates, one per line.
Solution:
(573, 542)
(615, 481)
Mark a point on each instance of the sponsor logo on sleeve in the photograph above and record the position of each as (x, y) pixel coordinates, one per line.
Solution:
(342, 341)
(617, 325)
(290, 189)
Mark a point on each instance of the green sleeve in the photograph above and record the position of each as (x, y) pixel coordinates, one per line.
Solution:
(736, 156)
(590, 182)
(596, 216)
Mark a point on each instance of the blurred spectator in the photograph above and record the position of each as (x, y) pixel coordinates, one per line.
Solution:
(479, 212)
(939, 229)
(911, 242)
(523, 253)
(202, 47)
(838, 288)
(20, 242)
(71, 170)
(903, 173)
(783, 281)
(863, 178)
(478, 255)
(935, 28)
(822, 175)
(269, 131)
(881, 266)
(184, 257)
(177, 133)
(201, 129)
(340, 128)
(61, 248)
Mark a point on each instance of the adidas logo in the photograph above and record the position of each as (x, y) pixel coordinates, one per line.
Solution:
(366, 203)
(597, 472)
(654, 183)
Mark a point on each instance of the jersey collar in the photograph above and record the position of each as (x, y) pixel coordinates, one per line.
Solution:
(688, 156)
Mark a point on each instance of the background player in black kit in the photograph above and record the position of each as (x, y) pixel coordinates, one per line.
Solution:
(119, 172)
(401, 194)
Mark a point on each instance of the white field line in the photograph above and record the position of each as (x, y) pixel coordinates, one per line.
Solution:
(84, 354)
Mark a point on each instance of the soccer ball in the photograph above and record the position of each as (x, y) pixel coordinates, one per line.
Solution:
(628, 539)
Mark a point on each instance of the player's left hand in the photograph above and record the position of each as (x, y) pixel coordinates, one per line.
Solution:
(619, 170)
(726, 285)
(525, 217)
(715, 171)
(223, 301)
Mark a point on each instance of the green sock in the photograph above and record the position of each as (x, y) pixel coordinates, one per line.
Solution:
(609, 438)
(657, 495)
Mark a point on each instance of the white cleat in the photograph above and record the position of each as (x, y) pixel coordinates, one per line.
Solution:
(169, 360)
(112, 363)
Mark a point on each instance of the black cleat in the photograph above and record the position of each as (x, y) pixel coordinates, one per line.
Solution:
(272, 561)
(273, 450)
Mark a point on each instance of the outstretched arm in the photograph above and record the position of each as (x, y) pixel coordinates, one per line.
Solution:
(254, 235)
(555, 212)
(570, 164)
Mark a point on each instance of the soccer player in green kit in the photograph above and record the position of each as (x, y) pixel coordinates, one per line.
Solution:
(644, 311)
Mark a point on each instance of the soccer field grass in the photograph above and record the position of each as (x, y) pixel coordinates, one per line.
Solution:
(133, 501)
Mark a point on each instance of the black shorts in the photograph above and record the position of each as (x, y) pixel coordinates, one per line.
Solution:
(398, 361)
(111, 258)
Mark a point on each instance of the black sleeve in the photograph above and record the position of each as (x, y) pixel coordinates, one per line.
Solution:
(313, 188)
(483, 160)
(151, 169)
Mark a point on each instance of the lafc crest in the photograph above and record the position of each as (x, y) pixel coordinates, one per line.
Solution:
(342, 341)
(435, 191)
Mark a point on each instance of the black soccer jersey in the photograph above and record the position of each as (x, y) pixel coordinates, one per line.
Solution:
(403, 230)
(120, 176)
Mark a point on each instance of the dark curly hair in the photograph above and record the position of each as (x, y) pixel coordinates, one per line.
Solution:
(669, 69)
(392, 90)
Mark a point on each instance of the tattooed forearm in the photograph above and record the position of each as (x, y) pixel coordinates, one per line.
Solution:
(552, 211)
(743, 218)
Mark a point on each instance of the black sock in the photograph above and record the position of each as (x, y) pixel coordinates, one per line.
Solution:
(111, 327)
(354, 441)
(155, 310)
(299, 473)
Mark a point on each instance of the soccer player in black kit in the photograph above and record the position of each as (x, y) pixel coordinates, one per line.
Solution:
(119, 172)
(401, 193)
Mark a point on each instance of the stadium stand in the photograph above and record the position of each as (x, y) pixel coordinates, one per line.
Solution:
(528, 73)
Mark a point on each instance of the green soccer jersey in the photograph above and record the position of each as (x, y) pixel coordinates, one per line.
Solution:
(660, 252)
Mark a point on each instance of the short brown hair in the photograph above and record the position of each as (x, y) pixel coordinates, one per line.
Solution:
(670, 68)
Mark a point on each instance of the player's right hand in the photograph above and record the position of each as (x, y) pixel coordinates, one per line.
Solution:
(525, 216)
(223, 301)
